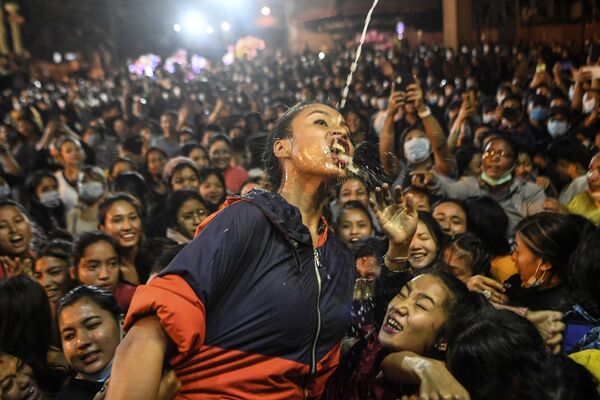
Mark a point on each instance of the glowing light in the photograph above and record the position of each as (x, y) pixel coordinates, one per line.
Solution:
(193, 22)
(177, 28)
(400, 27)
(225, 26)
(265, 11)
(209, 29)
(321, 55)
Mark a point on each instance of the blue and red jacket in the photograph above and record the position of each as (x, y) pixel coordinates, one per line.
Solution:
(251, 306)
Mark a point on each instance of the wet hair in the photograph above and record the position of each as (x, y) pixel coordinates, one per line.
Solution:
(584, 273)
(177, 164)
(281, 129)
(473, 246)
(26, 322)
(176, 200)
(490, 351)
(369, 246)
(487, 220)
(101, 297)
(131, 182)
(87, 239)
(353, 205)
(108, 202)
(553, 237)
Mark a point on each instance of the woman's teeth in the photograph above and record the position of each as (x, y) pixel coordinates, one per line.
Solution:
(392, 323)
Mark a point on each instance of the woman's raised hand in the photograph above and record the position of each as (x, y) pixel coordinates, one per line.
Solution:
(396, 214)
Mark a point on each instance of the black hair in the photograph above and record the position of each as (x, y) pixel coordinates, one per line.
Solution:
(369, 246)
(133, 144)
(177, 164)
(464, 156)
(281, 129)
(87, 239)
(584, 273)
(34, 179)
(495, 137)
(57, 248)
(187, 149)
(480, 258)
(350, 177)
(353, 205)
(255, 180)
(490, 351)
(551, 236)
(176, 200)
(220, 138)
(26, 321)
(111, 169)
(107, 203)
(487, 220)
(101, 297)
(204, 173)
(433, 227)
(165, 258)
(131, 182)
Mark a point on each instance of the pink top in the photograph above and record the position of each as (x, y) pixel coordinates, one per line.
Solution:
(234, 178)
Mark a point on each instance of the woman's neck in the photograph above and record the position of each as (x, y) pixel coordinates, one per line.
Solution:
(71, 172)
(305, 193)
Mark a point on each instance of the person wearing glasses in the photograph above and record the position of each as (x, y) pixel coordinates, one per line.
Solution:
(517, 197)
(186, 210)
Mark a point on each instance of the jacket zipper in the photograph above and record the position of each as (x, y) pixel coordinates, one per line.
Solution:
(313, 363)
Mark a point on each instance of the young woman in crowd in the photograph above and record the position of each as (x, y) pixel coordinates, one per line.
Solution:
(212, 188)
(17, 380)
(279, 232)
(51, 270)
(96, 262)
(450, 216)
(70, 156)
(185, 211)
(92, 188)
(180, 173)
(220, 151)
(16, 249)
(354, 222)
(155, 161)
(120, 216)
(197, 153)
(46, 209)
(465, 256)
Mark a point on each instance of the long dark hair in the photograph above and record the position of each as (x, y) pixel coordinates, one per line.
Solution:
(487, 220)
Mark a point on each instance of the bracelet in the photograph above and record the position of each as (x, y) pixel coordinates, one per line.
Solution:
(424, 114)
(399, 260)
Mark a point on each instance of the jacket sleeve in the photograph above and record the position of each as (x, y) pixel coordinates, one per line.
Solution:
(533, 199)
(461, 189)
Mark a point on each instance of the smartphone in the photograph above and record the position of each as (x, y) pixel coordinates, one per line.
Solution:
(403, 80)
(595, 71)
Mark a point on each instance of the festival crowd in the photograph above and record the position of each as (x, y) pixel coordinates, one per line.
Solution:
(113, 189)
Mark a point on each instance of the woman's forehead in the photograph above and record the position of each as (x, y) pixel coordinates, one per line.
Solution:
(320, 108)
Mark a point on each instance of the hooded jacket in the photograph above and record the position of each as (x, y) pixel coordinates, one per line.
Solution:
(252, 308)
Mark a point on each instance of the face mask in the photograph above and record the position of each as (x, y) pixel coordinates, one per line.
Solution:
(488, 118)
(533, 281)
(557, 128)
(91, 191)
(496, 182)
(589, 103)
(417, 150)
(510, 114)
(500, 98)
(538, 113)
(4, 191)
(50, 199)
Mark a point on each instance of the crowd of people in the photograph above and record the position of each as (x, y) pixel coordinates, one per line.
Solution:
(231, 233)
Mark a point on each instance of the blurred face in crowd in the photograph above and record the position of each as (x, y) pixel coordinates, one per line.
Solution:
(212, 190)
(593, 178)
(99, 266)
(89, 336)
(71, 153)
(529, 264)
(220, 154)
(120, 167)
(498, 159)
(123, 223)
(420, 200)
(189, 216)
(451, 218)
(156, 163)
(423, 248)
(46, 184)
(416, 315)
(15, 231)
(354, 189)
(16, 380)
(167, 124)
(199, 157)
(368, 267)
(185, 178)
(524, 167)
(52, 274)
(458, 261)
(354, 225)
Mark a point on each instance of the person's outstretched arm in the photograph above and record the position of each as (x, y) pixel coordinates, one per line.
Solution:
(138, 364)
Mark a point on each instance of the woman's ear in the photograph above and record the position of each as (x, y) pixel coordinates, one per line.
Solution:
(545, 266)
(282, 148)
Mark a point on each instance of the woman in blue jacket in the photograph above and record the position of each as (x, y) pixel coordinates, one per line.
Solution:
(259, 301)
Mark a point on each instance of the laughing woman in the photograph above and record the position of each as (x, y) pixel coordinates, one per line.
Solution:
(259, 301)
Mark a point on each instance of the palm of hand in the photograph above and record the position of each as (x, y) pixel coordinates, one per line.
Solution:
(397, 216)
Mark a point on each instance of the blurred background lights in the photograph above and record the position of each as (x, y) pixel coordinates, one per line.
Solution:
(265, 11)
(209, 29)
(177, 28)
(193, 22)
(321, 55)
(225, 26)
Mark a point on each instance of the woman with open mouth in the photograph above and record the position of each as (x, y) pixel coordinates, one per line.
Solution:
(17, 381)
(15, 239)
(261, 297)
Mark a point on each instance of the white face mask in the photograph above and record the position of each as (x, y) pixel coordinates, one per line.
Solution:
(589, 103)
(50, 199)
(417, 150)
(557, 128)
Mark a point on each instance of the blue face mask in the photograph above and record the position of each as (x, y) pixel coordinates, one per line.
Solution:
(538, 114)
(417, 150)
(557, 128)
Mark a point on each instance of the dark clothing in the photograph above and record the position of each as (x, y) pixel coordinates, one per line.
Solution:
(78, 389)
(557, 298)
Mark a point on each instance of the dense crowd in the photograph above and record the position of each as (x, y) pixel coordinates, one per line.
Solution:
(103, 182)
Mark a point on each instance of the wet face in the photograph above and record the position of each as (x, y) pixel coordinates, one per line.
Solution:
(16, 380)
(99, 266)
(320, 145)
(15, 231)
(71, 153)
(212, 190)
(423, 249)
(53, 275)
(47, 184)
(498, 159)
(524, 167)
(89, 335)
(354, 189)
(451, 218)
(190, 215)
(123, 223)
(368, 267)
(156, 163)
(185, 179)
(198, 156)
(459, 262)
(220, 154)
(415, 316)
(354, 225)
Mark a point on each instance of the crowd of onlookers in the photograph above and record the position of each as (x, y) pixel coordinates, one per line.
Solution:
(102, 182)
